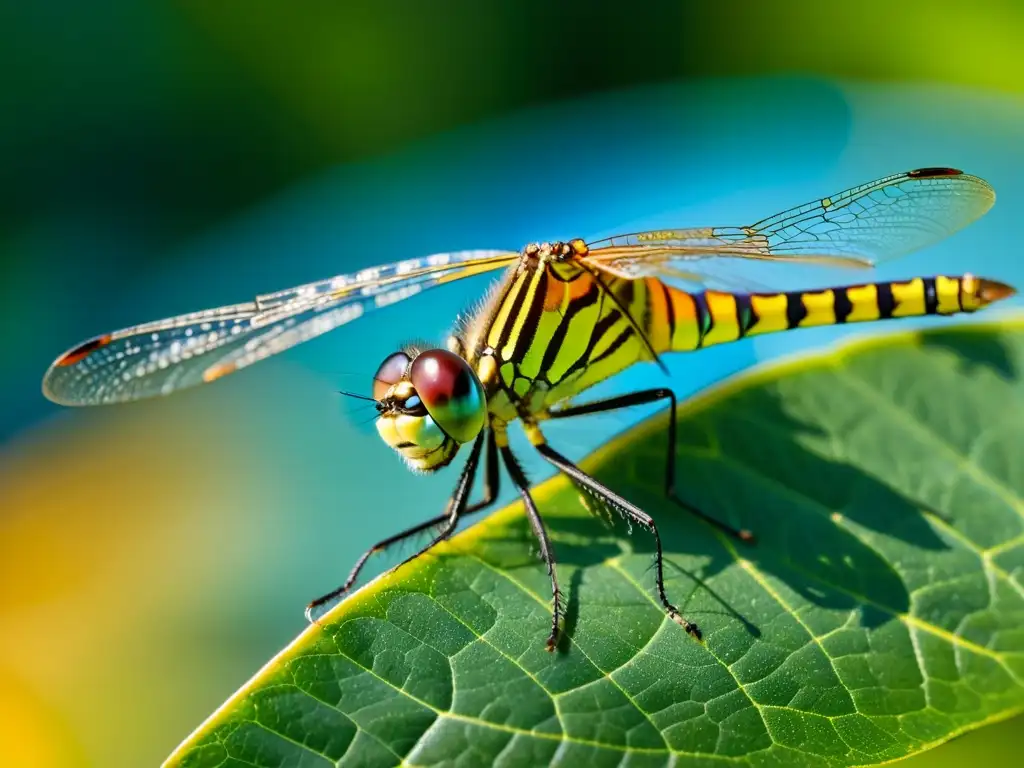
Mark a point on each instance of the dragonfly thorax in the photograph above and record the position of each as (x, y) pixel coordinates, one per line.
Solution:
(556, 251)
(429, 403)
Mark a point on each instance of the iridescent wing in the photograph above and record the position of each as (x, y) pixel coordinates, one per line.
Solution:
(161, 357)
(856, 228)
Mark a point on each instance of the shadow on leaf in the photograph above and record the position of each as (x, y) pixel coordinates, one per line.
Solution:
(753, 464)
(976, 350)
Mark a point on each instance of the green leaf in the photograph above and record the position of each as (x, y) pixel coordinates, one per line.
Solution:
(880, 614)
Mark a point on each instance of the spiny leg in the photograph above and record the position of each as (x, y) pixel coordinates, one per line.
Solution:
(546, 553)
(631, 511)
(448, 519)
(643, 397)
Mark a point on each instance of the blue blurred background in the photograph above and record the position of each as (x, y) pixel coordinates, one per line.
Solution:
(162, 157)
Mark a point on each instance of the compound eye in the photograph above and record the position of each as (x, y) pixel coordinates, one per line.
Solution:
(390, 373)
(450, 392)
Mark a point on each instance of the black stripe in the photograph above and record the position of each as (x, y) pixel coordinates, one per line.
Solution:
(886, 303)
(841, 306)
(496, 307)
(627, 289)
(554, 347)
(517, 305)
(671, 313)
(745, 315)
(628, 292)
(533, 315)
(704, 319)
(931, 298)
(796, 311)
(600, 329)
(619, 341)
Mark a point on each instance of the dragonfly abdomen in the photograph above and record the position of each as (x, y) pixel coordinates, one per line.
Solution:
(696, 320)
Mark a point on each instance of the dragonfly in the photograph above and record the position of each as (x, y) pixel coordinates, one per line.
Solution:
(562, 317)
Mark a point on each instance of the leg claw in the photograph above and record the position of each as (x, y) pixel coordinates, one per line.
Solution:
(691, 629)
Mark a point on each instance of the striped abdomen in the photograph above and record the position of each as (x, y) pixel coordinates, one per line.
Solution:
(554, 331)
(686, 321)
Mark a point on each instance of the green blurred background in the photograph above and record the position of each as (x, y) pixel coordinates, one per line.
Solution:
(160, 157)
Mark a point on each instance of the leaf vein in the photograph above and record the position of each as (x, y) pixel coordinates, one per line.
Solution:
(964, 463)
(639, 587)
(606, 675)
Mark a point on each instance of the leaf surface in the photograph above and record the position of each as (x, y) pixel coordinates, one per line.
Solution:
(880, 613)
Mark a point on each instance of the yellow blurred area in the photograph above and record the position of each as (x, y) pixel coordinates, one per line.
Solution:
(106, 516)
(944, 41)
(32, 732)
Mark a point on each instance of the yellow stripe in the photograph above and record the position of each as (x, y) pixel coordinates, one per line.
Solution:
(623, 357)
(970, 288)
(608, 338)
(725, 324)
(532, 357)
(509, 350)
(506, 309)
(863, 303)
(947, 290)
(533, 434)
(770, 312)
(909, 298)
(657, 314)
(576, 340)
(821, 308)
(684, 309)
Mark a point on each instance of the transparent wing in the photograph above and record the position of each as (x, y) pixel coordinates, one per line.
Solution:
(161, 357)
(856, 228)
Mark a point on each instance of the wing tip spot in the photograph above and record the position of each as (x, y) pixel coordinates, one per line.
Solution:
(82, 351)
(929, 173)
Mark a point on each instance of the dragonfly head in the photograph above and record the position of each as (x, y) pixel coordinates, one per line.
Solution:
(429, 403)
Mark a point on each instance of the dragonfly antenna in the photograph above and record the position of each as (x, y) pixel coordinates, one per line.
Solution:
(357, 397)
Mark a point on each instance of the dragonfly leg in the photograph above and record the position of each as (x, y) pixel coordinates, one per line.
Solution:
(631, 511)
(457, 508)
(546, 553)
(642, 397)
(492, 478)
